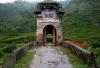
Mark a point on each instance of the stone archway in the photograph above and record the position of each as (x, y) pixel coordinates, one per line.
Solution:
(49, 34)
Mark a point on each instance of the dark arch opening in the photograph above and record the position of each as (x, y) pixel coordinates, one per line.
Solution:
(49, 34)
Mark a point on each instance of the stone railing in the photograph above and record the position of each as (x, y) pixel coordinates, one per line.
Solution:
(86, 56)
(10, 60)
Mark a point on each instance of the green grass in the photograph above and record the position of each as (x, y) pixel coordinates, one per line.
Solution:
(98, 58)
(26, 60)
(15, 40)
(18, 40)
(81, 33)
(1, 61)
(21, 38)
(78, 27)
(77, 62)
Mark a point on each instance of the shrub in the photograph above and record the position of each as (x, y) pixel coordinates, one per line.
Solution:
(97, 50)
(95, 44)
(1, 52)
(9, 49)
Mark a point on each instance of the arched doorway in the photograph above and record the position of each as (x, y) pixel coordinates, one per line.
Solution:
(49, 34)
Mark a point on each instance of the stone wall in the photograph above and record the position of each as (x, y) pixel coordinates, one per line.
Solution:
(10, 60)
(86, 56)
(40, 27)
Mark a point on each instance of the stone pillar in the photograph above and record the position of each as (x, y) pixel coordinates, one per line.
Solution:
(45, 37)
(54, 37)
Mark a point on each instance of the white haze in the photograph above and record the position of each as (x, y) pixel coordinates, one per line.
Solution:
(10, 1)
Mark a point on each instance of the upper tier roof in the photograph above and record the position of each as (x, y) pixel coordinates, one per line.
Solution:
(49, 5)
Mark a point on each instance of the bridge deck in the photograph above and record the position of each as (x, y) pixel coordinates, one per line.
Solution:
(50, 57)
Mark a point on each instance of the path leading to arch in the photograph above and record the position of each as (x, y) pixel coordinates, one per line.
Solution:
(50, 57)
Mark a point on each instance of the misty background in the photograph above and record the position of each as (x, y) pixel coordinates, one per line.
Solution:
(81, 18)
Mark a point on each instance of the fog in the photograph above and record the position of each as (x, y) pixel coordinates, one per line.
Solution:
(6, 1)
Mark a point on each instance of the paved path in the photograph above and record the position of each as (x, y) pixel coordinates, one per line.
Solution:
(50, 57)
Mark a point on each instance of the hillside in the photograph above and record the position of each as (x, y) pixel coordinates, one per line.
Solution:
(17, 17)
(82, 20)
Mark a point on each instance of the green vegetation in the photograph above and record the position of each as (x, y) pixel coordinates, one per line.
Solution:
(82, 20)
(9, 49)
(26, 60)
(9, 43)
(1, 52)
(77, 62)
(19, 38)
(49, 38)
(17, 17)
(17, 26)
(95, 48)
